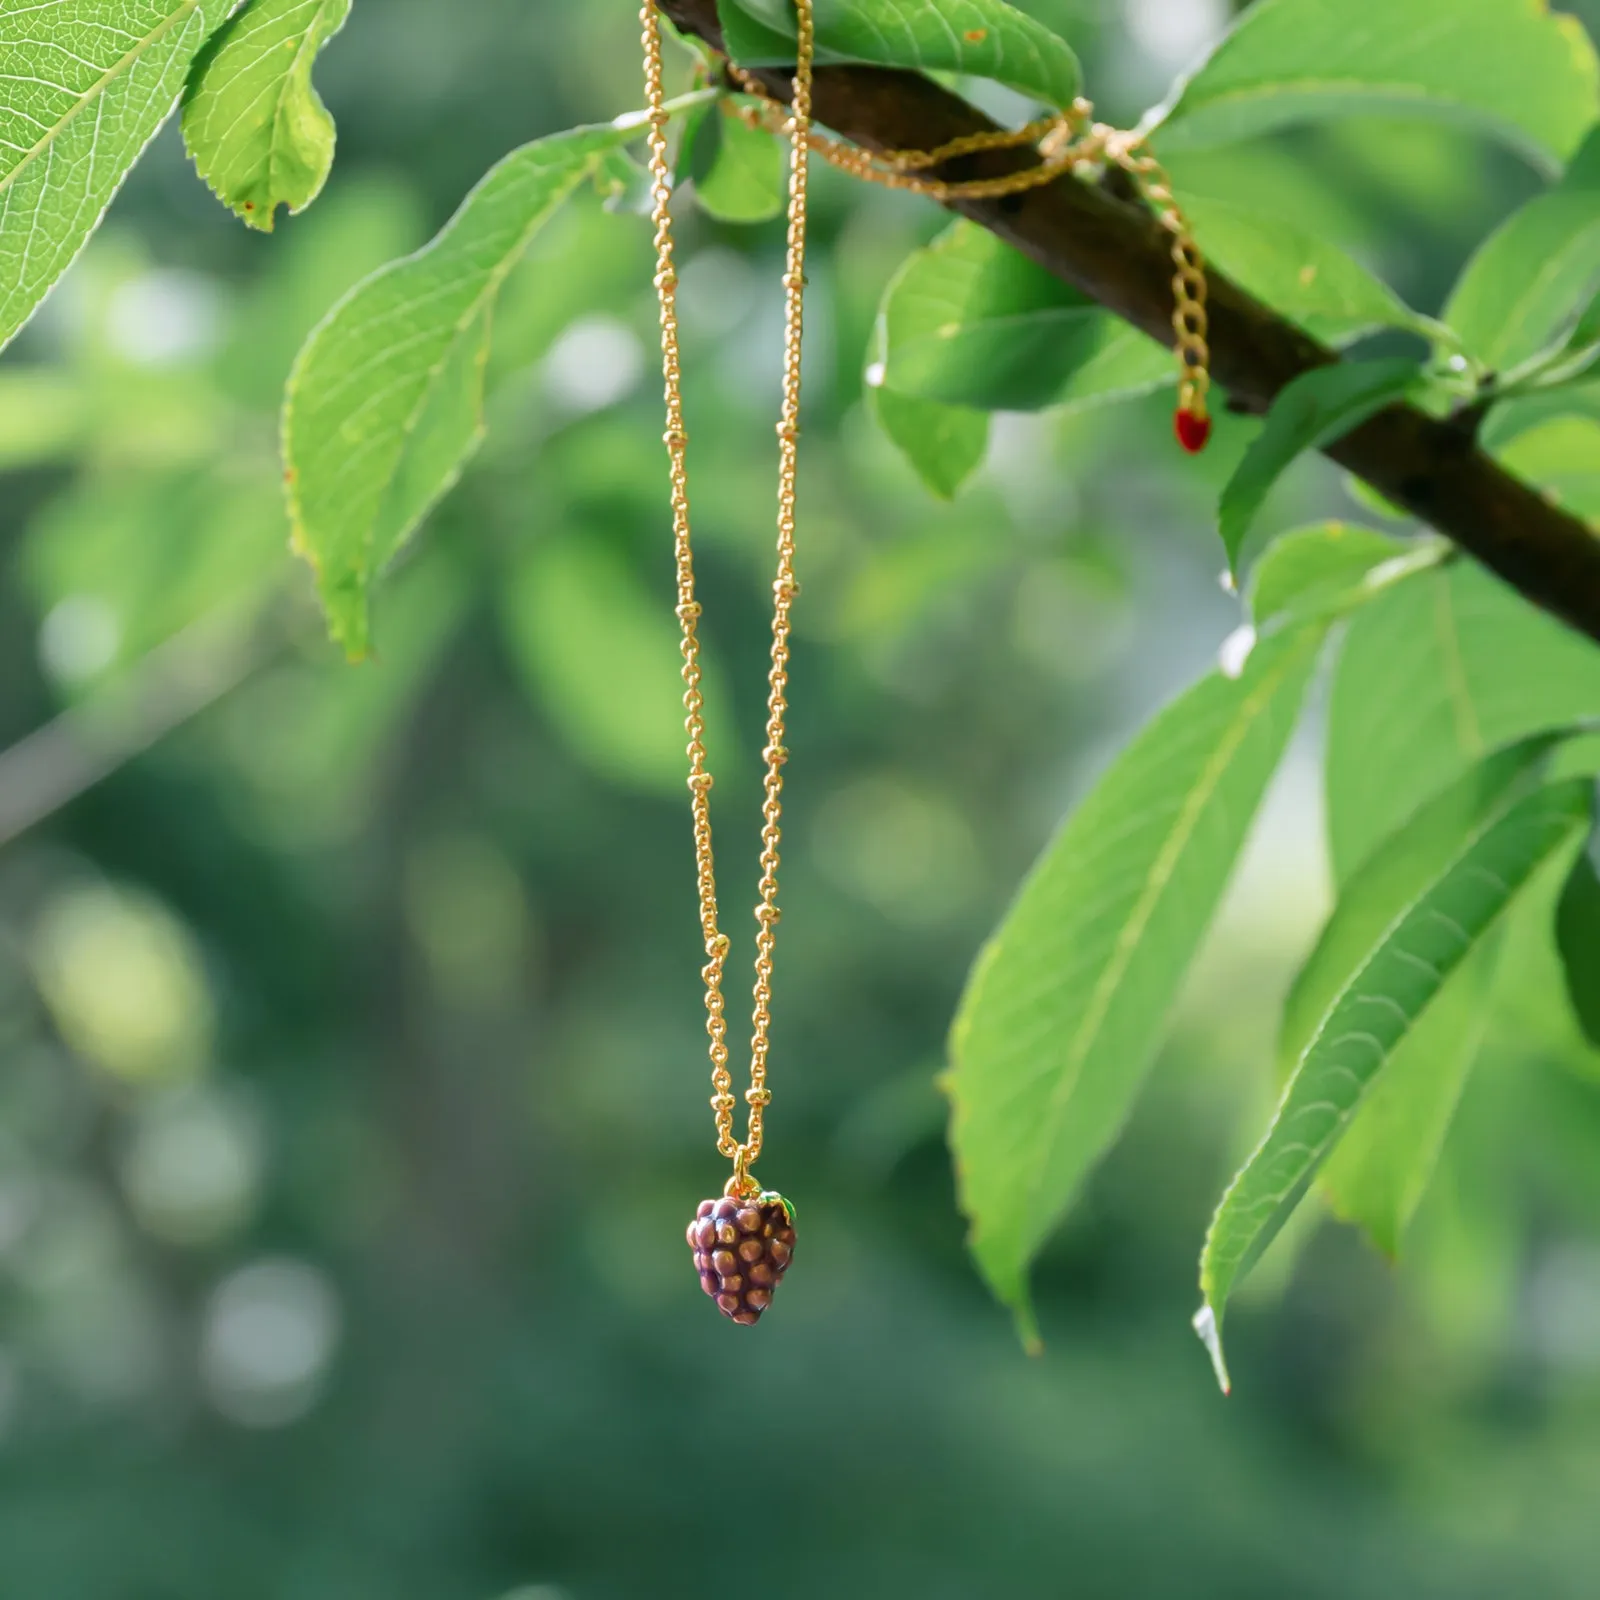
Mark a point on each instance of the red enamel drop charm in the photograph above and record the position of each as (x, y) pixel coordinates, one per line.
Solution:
(1193, 429)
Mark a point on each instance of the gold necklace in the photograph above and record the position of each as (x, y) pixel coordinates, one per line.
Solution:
(744, 1241)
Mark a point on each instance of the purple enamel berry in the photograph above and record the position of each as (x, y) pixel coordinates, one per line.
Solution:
(742, 1248)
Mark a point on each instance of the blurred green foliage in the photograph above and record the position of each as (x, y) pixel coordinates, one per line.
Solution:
(353, 1098)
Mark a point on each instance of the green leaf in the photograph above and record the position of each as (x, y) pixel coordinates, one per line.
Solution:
(738, 170)
(1526, 410)
(1578, 936)
(385, 402)
(1066, 1004)
(970, 321)
(601, 655)
(1123, 365)
(258, 132)
(1374, 1012)
(1386, 1158)
(1377, 1177)
(944, 444)
(1562, 457)
(84, 91)
(1393, 877)
(1433, 676)
(1528, 284)
(1587, 333)
(1511, 67)
(1296, 272)
(1533, 1014)
(1317, 407)
(981, 38)
(1324, 568)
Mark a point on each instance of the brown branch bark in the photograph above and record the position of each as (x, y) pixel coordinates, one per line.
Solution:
(1117, 253)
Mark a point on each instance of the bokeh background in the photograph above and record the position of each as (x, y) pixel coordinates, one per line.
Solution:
(352, 1088)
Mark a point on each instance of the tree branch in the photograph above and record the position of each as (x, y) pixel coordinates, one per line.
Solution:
(1119, 254)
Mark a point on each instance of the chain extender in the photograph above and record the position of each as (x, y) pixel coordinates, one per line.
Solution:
(1067, 141)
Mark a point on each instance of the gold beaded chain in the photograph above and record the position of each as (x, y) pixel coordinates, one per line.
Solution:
(1069, 141)
(743, 1153)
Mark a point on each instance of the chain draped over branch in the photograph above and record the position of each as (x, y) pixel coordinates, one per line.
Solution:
(1119, 254)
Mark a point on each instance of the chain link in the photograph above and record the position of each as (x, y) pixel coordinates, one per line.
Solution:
(797, 126)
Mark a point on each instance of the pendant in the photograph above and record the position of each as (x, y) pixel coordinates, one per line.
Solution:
(742, 1248)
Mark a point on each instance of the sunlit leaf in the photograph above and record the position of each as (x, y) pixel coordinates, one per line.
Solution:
(1378, 1006)
(1530, 281)
(385, 401)
(981, 38)
(1379, 1174)
(352, 233)
(1511, 67)
(1319, 406)
(970, 321)
(1298, 273)
(1578, 935)
(738, 170)
(1067, 1001)
(1315, 569)
(1433, 676)
(1395, 875)
(256, 128)
(944, 444)
(1386, 1158)
(84, 90)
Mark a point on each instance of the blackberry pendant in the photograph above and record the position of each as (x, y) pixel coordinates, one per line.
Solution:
(742, 1248)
